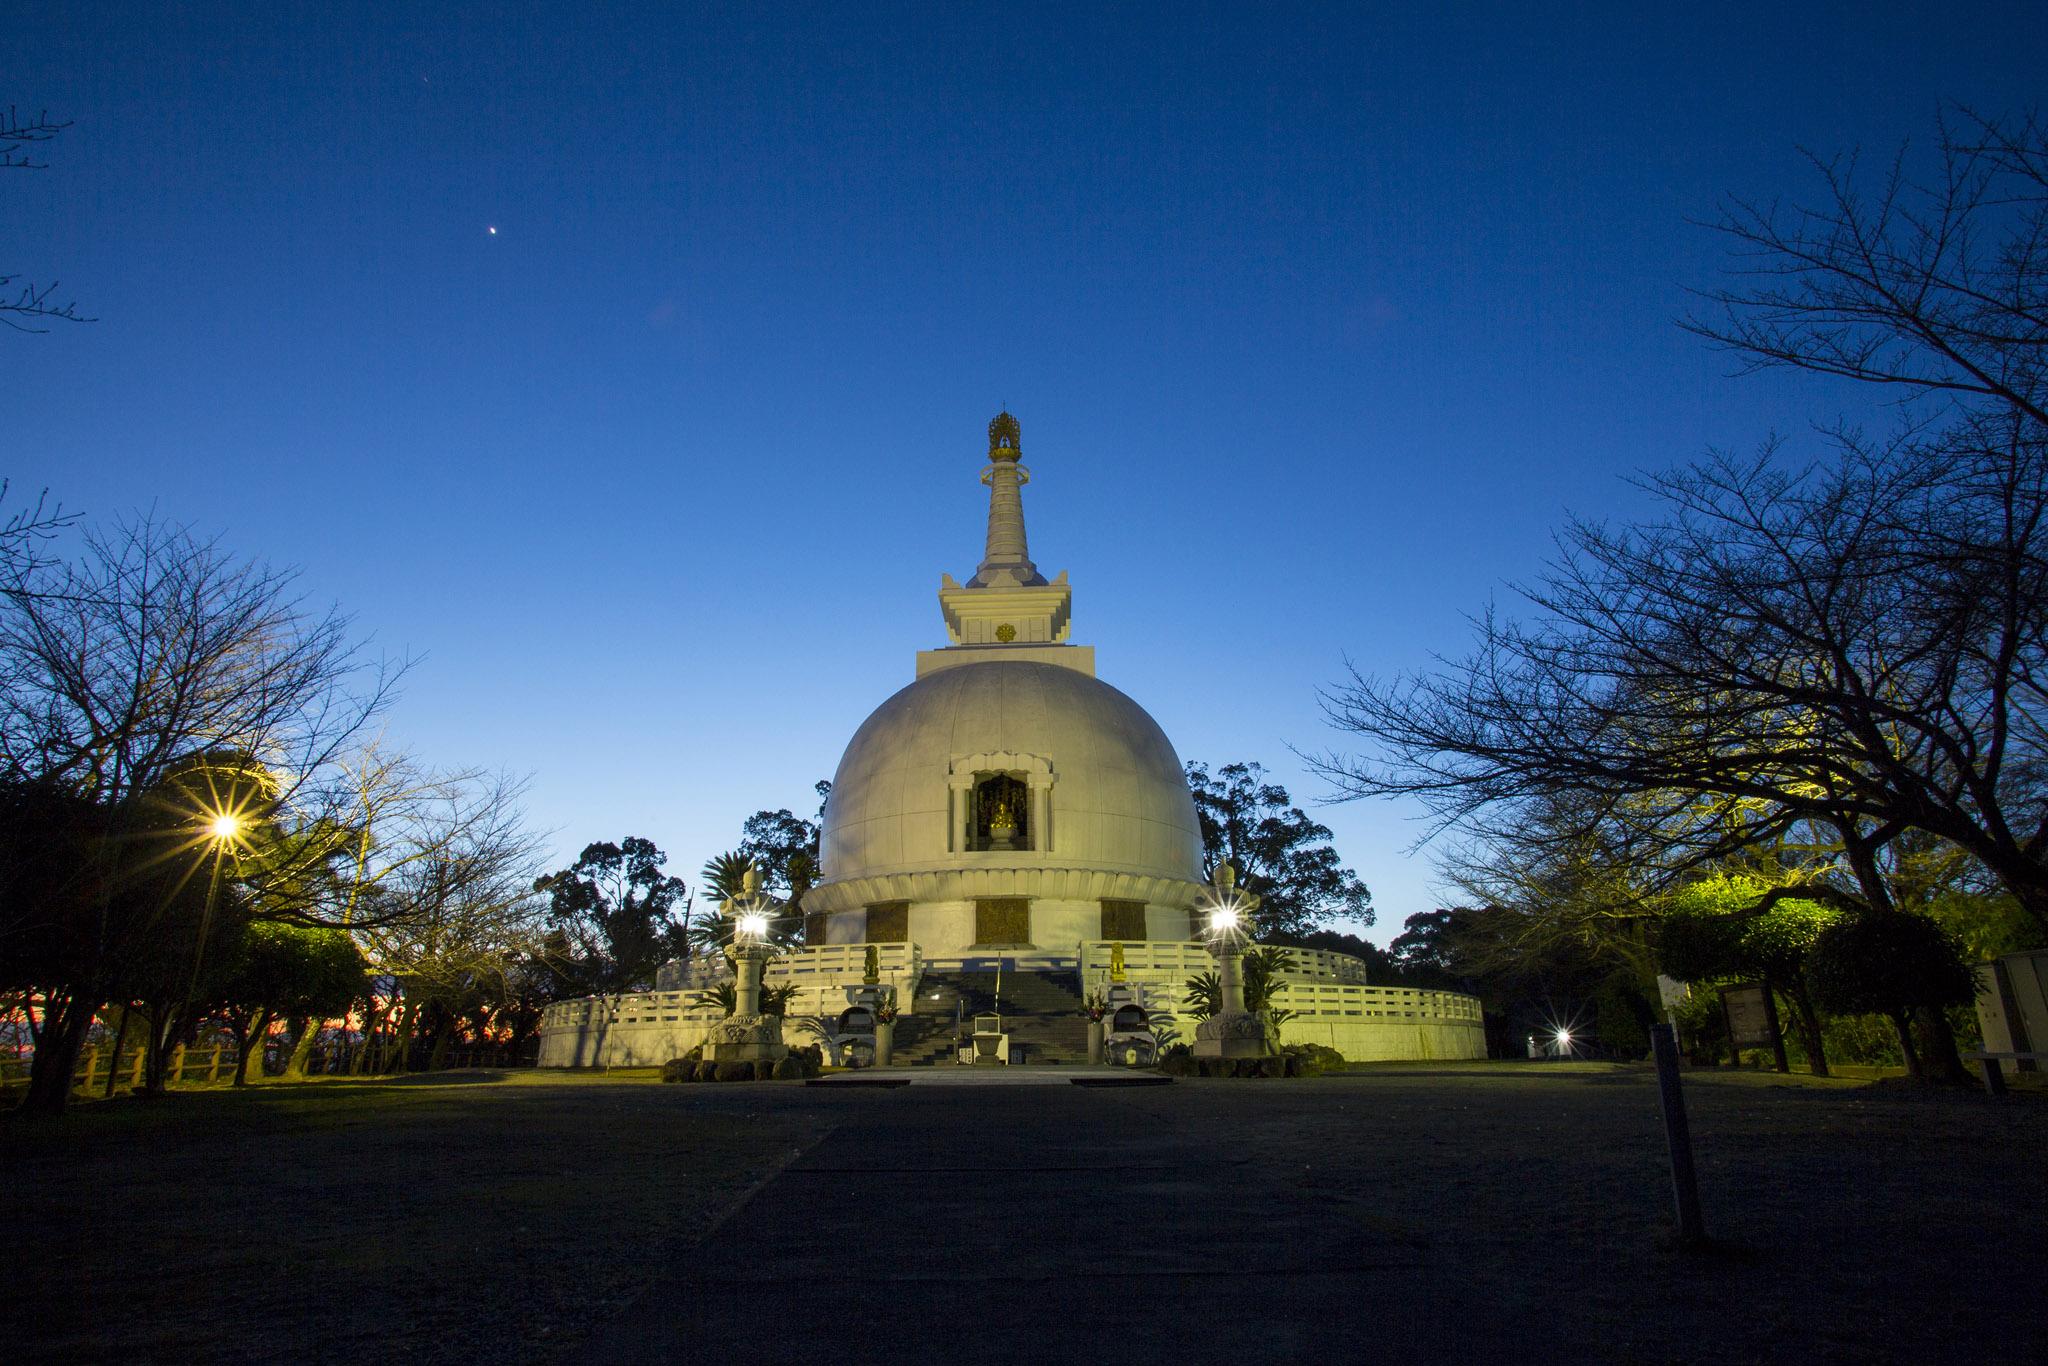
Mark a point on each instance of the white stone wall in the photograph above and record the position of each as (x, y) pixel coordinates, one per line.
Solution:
(1335, 1008)
(1389, 1040)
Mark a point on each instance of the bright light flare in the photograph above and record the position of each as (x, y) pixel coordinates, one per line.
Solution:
(225, 826)
(753, 926)
(1223, 920)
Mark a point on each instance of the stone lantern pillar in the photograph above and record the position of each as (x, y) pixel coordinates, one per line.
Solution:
(750, 961)
(1233, 1031)
(747, 1035)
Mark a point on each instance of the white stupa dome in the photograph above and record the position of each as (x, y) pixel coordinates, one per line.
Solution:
(1118, 802)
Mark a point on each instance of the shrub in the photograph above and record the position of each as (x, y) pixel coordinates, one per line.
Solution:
(678, 1069)
(707, 1070)
(1888, 963)
(764, 1069)
(790, 1068)
(1313, 1059)
(1296, 1060)
(735, 1071)
(812, 1056)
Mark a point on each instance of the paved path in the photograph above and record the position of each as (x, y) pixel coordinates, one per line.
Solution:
(980, 1223)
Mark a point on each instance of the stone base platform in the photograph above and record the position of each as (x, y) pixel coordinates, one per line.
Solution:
(992, 1076)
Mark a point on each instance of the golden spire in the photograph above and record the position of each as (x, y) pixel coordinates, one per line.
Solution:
(1005, 441)
(1007, 561)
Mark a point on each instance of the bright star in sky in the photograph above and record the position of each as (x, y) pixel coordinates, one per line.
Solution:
(492, 231)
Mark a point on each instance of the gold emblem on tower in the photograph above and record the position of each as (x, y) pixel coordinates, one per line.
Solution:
(1006, 633)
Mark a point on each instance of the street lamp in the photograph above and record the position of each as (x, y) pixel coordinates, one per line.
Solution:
(223, 828)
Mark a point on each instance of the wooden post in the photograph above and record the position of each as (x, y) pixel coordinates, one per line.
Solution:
(213, 1065)
(135, 1069)
(1777, 1034)
(176, 1071)
(92, 1067)
(1677, 1134)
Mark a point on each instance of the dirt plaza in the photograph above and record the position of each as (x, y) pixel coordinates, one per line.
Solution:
(1484, 1210)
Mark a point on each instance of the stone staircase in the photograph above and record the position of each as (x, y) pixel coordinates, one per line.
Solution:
(1041, 1012)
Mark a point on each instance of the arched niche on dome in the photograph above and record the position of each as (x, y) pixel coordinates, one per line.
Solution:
(1000, 802)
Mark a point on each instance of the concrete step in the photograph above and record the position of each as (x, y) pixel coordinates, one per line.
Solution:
(1041, 1013)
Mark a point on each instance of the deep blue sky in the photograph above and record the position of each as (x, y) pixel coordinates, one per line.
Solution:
(1317, 320)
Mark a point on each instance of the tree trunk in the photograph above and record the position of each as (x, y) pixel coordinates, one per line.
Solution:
(304, 1030)
(240, 1026)
(56, 1061)
(1906, 1049)
(438, 1059)
(1809, 1028)
(373, 1024)
(1937, 1041)
(2025, 879)
(114, 1058)
(28, 1013)
(255, 1030)
(401, 1053)
(1862, 854)
(156, 1062)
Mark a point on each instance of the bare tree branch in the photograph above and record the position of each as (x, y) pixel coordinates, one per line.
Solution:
(22, 303)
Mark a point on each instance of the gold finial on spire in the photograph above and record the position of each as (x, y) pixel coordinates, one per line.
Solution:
(1005, 439)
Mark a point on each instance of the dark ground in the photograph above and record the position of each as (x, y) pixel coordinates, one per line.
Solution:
(1476, 1212)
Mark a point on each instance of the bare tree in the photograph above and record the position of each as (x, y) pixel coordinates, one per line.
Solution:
(152, 650)
(354, 837)
(24, 533)
(458, 916)
(22, 303)
(1781, 650)
(1859, 643)
(1932, 284)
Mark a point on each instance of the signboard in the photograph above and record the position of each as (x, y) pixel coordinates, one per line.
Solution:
(1751, 1021)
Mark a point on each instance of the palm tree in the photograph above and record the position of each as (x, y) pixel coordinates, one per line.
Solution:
(1262, 969)
(774, 1000)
